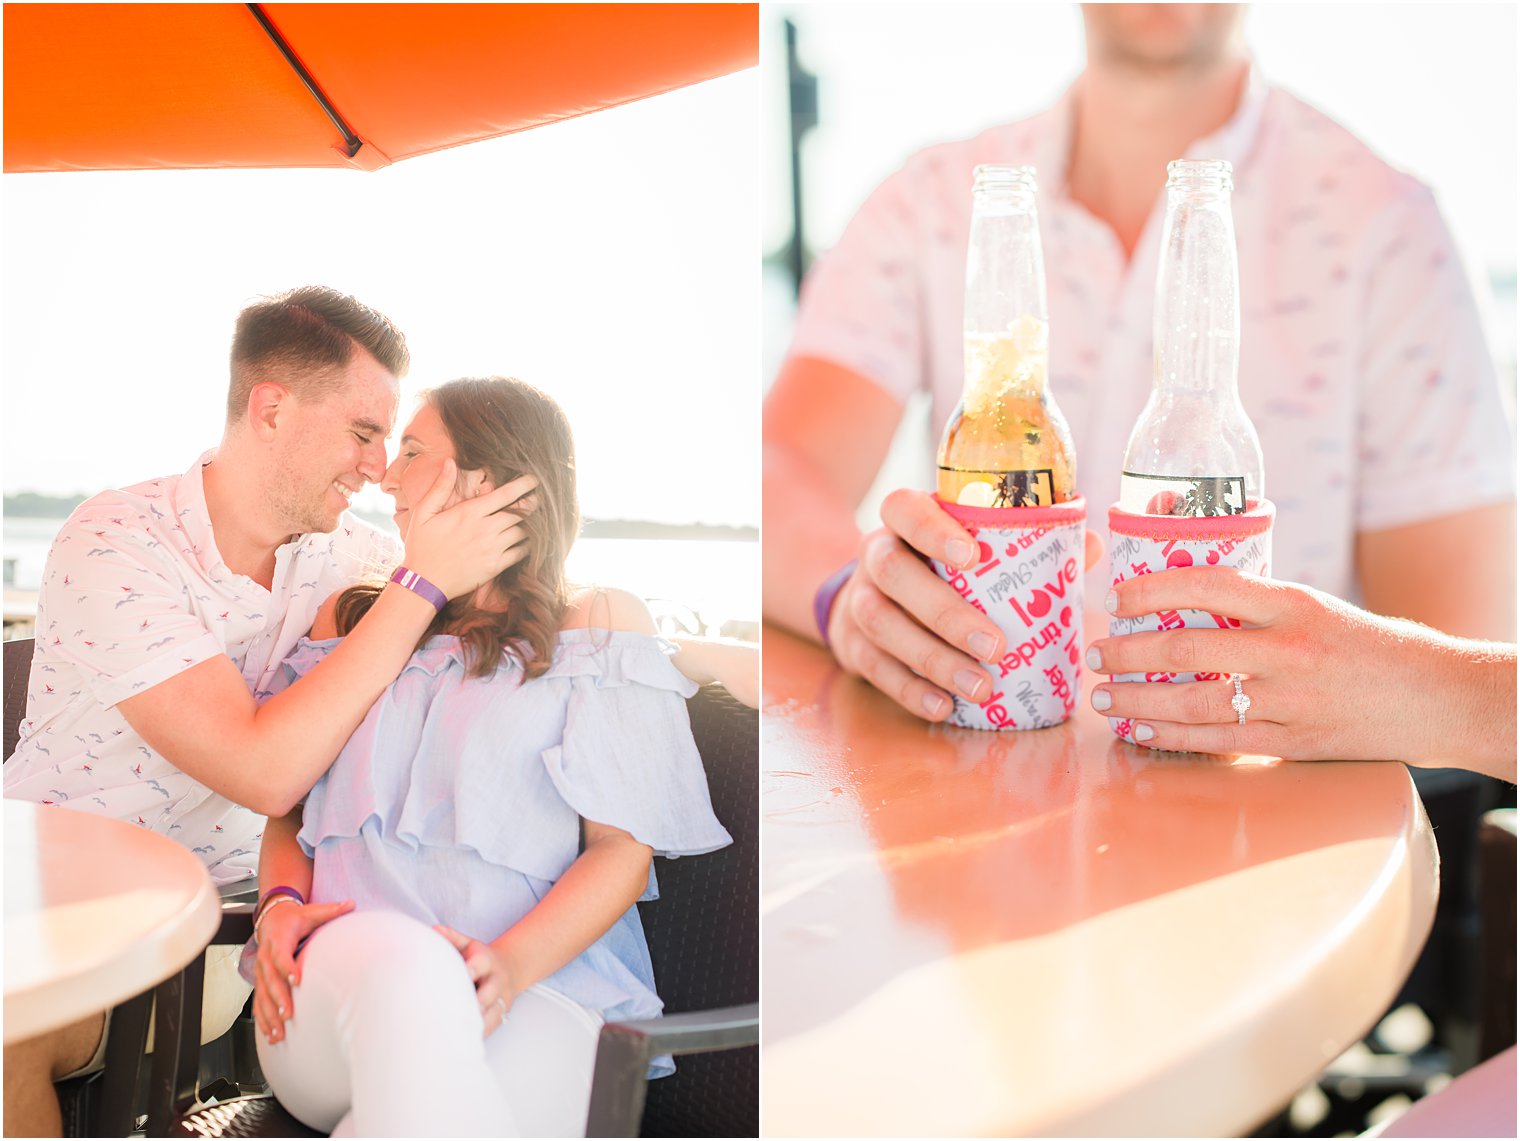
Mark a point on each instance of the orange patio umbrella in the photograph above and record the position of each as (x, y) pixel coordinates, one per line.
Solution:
(152, 86)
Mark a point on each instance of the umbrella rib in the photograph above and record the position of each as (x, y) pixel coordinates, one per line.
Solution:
(350, 140)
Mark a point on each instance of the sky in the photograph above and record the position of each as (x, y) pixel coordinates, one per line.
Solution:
(610, 260)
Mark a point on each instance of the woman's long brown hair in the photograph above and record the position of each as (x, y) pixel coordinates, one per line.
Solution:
(506, 428)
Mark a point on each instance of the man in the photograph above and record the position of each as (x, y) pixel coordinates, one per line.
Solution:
(1362, 363)
(167, 607)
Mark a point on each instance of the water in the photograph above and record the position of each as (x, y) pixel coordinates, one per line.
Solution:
(27, 542)
(718, 580)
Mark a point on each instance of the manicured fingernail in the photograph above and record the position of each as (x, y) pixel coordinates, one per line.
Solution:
(1101, 699)
(934, 704)
(961, 551)
(281, 1010)
(970, 682)
(983, 645)
(1144, 732)
(1111, 602)
(1094, 659)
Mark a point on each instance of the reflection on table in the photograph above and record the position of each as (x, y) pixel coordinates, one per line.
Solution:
(96, 911)
(1059, 933)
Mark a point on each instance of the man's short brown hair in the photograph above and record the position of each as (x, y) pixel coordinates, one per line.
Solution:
(302, 337)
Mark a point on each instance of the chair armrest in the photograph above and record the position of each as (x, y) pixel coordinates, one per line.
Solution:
(243, 891)
(237, 924)
(695, 1031)
(624, 1049)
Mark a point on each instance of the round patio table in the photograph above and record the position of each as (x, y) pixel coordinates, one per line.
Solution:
(1057, 933)
(96, 911)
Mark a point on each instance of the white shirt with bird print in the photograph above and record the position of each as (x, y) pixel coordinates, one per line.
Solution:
(134, 593)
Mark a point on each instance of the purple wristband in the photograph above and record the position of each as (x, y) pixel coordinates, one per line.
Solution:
(418, 585)
(823, 601)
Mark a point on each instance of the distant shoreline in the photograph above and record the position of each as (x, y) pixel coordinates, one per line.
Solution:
(32, 505)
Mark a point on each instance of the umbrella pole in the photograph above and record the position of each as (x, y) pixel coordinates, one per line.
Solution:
(350, 139)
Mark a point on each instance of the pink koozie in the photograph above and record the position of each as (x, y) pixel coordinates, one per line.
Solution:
(1027, 579)
(1143, 544)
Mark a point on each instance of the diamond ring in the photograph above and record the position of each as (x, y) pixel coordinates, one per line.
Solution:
(1240, 702)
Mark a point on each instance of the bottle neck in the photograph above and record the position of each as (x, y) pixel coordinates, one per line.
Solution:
(1006, 327)
(1197, 315)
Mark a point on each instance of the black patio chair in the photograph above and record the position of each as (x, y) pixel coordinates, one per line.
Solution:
(1497, 979)
(703, 936)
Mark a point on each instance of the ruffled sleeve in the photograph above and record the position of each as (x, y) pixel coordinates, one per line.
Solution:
(627, 758)
(298, 663)
(504, 768)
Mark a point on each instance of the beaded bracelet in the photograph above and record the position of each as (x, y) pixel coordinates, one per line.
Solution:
(823, 601)
(267, 908)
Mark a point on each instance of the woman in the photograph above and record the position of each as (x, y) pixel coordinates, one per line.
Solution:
(473, 856)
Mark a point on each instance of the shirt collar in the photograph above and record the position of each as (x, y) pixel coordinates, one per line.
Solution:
(190, 499)
(194, 515)
(1232, 141)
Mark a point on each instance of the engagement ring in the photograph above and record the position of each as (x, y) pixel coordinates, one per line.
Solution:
(1240, 702)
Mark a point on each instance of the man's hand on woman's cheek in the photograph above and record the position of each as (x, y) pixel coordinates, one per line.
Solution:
(458, 547)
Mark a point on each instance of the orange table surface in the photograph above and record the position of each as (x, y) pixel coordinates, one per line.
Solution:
(1057, 933)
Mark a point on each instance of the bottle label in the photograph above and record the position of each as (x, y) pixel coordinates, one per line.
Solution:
(1187, 495)
(1031, 488)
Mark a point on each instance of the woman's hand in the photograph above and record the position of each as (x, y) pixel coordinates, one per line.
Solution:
(733, 665)
(280, 932)
(490, 974)
(1324, 678)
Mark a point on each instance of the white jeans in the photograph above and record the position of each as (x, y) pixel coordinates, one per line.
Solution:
(385, 1041)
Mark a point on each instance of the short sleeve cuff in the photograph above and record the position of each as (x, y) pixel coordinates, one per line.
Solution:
(184, 655)
(1402, 508)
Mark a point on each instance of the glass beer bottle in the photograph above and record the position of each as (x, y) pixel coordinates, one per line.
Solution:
(1194, 451)
(1007, 444)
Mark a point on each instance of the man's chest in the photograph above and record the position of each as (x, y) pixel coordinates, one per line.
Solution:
(1298, 324)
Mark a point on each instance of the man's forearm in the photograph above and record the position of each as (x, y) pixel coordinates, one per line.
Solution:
(827, 430)
(1455, 574)
(302, 730)
(810, 533)
(266, 757)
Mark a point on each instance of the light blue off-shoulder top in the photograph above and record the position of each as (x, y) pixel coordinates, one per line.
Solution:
(458, 800)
